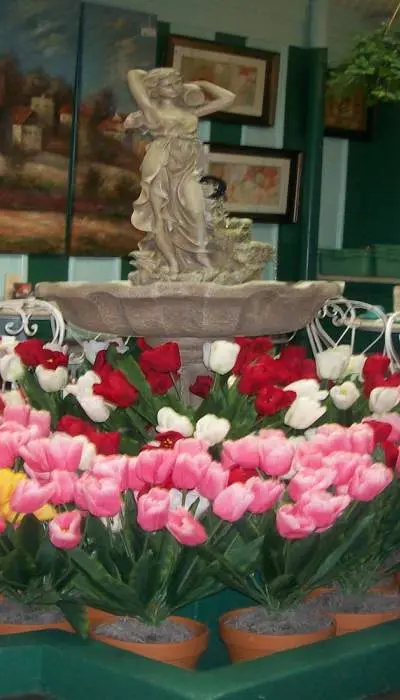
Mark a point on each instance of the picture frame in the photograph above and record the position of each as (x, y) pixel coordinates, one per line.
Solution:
(348, 117)
(247, 171)
(252, 74)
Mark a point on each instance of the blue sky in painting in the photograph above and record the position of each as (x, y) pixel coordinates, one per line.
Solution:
(42, 34)
(114, 41)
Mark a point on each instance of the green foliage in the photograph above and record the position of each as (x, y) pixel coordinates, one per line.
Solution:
(32, 571)
(373, 65)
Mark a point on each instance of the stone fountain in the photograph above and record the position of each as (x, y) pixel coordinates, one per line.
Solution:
(197, 273)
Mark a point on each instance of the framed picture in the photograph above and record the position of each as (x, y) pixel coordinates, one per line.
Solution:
(107, 170)
(38, 54)
(251, 74)
(261, 183)
(348, 117)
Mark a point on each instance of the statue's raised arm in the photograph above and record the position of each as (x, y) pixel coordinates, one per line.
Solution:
(221, 99)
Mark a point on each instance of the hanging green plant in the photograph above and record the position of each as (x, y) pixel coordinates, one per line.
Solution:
(372, 65)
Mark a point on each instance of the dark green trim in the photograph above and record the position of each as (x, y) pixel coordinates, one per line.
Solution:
(351, 667)
(47, 268)
(298, 243)
(223, 132)
(312, 171)
(126, 268)
(163, 32)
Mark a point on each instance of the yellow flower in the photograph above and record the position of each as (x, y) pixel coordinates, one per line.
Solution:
(9, 480)
(46, 512)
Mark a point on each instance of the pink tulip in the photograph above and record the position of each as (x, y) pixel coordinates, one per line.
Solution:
(313, 460)
(213, 481)
(3, 526)
(332, 438)
(292, 524)
(27, 417)
(113, 467)
(362, 438)
(190, 446)
(188, 470)
(155, 466)
(153, 509)
(368, 482)
(232, 503)
(100, 497)
(323, 508)
(132, 480)
(276, 456)
(185, 528)
(310, 480)
(10, 444)
(65, 530)
(30, 496)
(243, 452)
(265, 493)
(64, 484)
(345, 464)
(45, 455)
(267, 433)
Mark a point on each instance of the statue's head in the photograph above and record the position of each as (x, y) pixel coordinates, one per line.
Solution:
(166, 83)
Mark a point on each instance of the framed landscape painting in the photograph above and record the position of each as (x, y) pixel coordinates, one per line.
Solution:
(250, 73)
(261, 183)
(38, 50)
(107, 170)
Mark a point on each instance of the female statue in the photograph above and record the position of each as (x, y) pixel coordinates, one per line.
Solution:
(170, 208)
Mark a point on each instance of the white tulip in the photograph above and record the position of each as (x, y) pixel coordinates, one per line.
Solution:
(307, 387)
(12, 398)
(11, 368)
(384, 399)
(212, 429)
(344, 395)
(332, 363)
(7, 344)
(355, 366)
(51, 379)
(176, 501)
(220, 356)
(304, 412)
(94, 406)
(168, 419)
(92, 347)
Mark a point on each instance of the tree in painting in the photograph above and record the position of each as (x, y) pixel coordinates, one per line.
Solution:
(107, 175)
(38, 49)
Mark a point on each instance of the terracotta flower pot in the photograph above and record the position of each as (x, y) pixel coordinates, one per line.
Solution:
(318, 591)
(352, 622)
(9, 628)
(183, 654)
(387, 585)
(244, 646)
(98, 617)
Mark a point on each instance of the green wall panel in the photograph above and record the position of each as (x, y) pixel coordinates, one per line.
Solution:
(47, 268)
(297, 249)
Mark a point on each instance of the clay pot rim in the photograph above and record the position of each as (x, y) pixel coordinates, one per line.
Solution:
(248, 636)
(199, 629)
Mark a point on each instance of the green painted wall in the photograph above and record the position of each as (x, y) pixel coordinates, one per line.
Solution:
(373, 186)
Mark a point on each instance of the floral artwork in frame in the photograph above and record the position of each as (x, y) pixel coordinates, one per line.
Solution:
(261, 183)
(348, 117)
(251, 74)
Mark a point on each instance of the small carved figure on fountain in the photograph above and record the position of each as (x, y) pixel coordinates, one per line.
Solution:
(171, 207)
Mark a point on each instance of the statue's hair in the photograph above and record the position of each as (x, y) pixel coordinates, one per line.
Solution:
(192, 95)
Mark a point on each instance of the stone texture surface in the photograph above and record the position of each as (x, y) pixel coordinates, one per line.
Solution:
(188, 310)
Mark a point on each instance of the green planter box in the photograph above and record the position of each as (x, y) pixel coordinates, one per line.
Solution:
(356, 666)
(387, 261)
(347, 262)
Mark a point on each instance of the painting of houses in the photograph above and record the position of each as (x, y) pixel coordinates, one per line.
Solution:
(38, 52)
(107, 178)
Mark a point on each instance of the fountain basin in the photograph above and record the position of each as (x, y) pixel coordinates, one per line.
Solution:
(189, 310)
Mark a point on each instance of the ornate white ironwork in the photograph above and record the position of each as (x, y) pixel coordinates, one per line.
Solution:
(392, 333)
(345, 316)
(25, 312)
